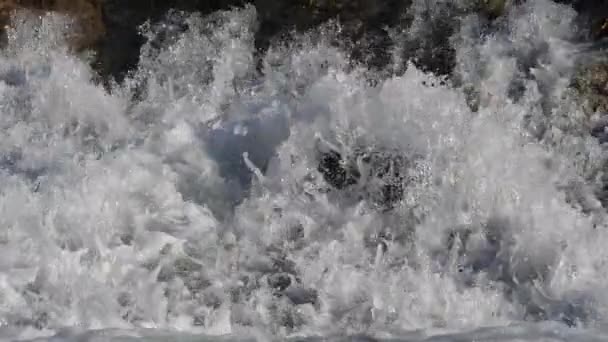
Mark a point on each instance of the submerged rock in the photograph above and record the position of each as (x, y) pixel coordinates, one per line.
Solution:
(89, 26)
(335, 170)
(362, 20)
(112, 27)
(591, 84)
(379, 175)
(492, 8)
(594, 15)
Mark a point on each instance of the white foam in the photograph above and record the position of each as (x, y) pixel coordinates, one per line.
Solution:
(142, 214)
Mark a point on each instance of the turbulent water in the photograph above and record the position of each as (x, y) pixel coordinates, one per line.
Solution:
(212, 197)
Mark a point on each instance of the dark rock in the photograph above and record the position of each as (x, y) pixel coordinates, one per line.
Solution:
(388, 167)
(120, 48)
(335, 171)
(431, 50)
(363, 23)
(87, 30)
(590, 84)
(491, 8)
(593, 15)
(381, 174)
(112, 26)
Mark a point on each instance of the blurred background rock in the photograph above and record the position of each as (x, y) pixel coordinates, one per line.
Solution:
(110, 27)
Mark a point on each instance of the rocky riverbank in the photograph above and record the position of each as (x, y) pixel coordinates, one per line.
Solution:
(111, 27)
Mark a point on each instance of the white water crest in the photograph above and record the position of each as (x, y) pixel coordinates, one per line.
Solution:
(189, 201)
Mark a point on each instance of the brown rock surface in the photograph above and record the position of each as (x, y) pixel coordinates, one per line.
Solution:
(90, 27)
(591, 83)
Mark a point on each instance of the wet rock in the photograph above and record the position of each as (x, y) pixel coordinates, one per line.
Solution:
(591, 85)
(591, 81)
(363, 21)
(335, 170)
(112, 27)
(593, 16)
(380, 175)
(387, 174)
(490, 8)
(430, 49)
(119, 51)
(89, 26)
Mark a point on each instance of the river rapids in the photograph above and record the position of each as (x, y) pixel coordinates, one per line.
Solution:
(304, 197)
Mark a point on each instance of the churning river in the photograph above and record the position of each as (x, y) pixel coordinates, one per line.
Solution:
(307, 198)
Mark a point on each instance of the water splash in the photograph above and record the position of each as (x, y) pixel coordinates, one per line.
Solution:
(203, 196)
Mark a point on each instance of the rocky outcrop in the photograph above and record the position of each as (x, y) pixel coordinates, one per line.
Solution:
(594, 16)
(364, 19)
(591, 84)
(120, 48)
(89, 25)
(111, 27)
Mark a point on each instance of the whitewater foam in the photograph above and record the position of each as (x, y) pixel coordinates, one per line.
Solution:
(188, 201)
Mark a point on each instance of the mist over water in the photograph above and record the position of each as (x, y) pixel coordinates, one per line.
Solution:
(307, 197)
